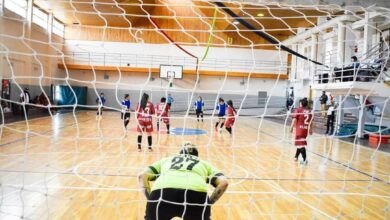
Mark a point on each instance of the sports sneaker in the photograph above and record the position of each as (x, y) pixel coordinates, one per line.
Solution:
(304, 162)
(220, 130)
(216, 129)
(139, 150)
(150, 149)
(296, 159)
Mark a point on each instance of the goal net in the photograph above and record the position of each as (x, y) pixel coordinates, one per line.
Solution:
(72, 70)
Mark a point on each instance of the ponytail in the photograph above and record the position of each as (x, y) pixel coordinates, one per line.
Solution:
(144, 101)
(230, 103)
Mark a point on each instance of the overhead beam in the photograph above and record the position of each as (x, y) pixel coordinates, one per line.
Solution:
(269, 38)
(221, 24)
(315, 30)
(371, 15)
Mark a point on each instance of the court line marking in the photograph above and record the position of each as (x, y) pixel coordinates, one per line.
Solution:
(340, 139)
(232, 178)
(38, 181)
(34, 134)
(291, 193)
(334, 161)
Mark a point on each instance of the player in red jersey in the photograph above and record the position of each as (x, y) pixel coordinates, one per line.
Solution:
(231, 112)
(144, 112)
(302, 121)
(163, 113)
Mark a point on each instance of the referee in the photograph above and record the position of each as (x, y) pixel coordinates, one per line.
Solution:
(180, 188)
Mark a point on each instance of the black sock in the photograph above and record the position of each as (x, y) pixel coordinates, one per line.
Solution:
(139, 139)
(150, 141)
(297, 152)
(158, 126)
(229, 130)
(222, 124)
(303, 151)
(126, 123)
(216, 124)
(168, 128)
(201, 116)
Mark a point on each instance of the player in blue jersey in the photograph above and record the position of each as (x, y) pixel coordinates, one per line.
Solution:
(100, 101)
(125, 116)
(221, 107)
(199, 107)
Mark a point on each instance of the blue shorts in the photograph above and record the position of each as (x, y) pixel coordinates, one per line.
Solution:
(221, 115)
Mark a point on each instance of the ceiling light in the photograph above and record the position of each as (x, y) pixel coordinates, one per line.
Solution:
(236, 22)
(260, 15)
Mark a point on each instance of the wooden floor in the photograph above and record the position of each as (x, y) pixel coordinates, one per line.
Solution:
(72, 167)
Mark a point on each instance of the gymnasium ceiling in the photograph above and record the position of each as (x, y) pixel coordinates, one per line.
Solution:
(279, 22)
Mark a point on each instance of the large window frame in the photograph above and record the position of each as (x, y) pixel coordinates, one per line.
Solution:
(40, 18)
(58, 28)
(18, 7)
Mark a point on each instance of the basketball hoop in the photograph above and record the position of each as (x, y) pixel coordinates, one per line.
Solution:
(171, 72)
(170, 79)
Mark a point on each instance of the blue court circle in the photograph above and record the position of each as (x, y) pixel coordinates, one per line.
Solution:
(186, 131)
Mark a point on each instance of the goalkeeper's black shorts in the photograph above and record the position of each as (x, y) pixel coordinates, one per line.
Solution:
(185, 204)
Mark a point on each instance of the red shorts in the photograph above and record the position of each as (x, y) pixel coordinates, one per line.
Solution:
(145, 126)
(300, 141)
(165, 119)
(229, 122)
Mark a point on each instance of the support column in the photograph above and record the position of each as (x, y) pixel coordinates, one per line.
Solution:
(29, 16)
(300, 46)
(313, 55)
(367, 35)
(340, 113)
(1, 7)
(50, 26)
(29, 69)
(49, 66)
(340, 43)
(362, 120)
(350, 42)
(301, 74)
(293, 73)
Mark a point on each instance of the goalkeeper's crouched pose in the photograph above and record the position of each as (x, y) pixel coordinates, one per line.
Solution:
(180, 188)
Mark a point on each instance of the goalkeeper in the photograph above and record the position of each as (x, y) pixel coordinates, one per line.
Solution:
(180, 188)
(199, 107)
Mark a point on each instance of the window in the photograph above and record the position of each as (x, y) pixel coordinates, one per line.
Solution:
(40, 17)
(17, 6)
(58, 28)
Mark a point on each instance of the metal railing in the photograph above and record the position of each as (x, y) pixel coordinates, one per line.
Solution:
(154, 61)
(369, 69)
(364, 73)
(330, 57)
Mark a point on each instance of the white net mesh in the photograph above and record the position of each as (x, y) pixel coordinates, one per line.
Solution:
(57, 161)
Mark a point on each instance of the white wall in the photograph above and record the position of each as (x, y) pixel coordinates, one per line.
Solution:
(139, 55)
(23, 65)
(210, 84)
